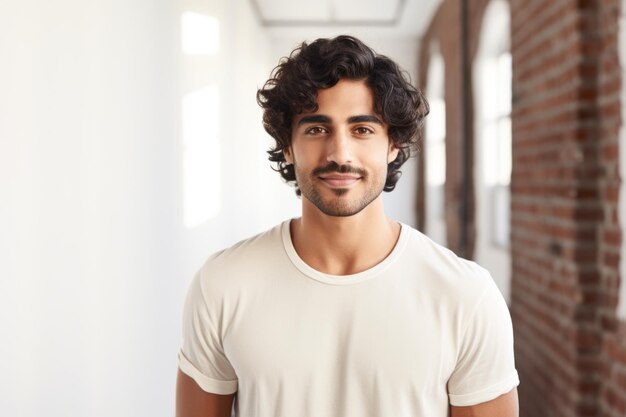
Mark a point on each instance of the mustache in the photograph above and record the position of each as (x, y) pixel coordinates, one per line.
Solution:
(334, 167)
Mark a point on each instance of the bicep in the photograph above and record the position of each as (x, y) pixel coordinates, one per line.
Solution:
(193, 401)
(504, 406)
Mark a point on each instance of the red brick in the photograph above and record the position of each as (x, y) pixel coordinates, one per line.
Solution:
(616, 352)
(616, 401)
(612, 237)
(611, 259)
(611, 193)
(611, 152)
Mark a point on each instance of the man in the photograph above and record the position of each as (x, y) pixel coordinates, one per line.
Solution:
(344, 312)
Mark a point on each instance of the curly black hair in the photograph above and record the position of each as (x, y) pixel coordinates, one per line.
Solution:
(294, 83)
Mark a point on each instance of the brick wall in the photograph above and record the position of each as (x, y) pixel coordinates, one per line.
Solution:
(613, 356)
(565, 234)
(555, 207)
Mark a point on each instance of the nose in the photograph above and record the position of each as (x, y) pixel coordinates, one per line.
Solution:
(338, 148)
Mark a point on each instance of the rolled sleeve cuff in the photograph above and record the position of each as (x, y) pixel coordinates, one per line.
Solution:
(215, 386)
(487, 394)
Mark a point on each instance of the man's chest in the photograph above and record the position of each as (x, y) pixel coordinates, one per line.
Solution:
(385, 337)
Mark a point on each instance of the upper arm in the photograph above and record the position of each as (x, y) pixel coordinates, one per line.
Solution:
(193, 401)
(206, 383)
(504, 406)
(485, 366)
(202, 356)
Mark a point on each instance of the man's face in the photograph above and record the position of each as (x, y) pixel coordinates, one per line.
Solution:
(341, 151)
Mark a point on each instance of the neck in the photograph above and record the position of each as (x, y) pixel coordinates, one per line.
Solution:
(344, 245)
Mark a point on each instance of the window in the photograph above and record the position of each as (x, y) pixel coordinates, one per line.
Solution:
(435, 160)
(492, 144)
(496, 144)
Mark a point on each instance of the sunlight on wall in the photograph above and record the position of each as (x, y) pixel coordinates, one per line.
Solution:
(200, 34)
(200, 128)
(201, 162)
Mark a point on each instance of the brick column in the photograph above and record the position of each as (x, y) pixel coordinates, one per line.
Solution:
(565, 237)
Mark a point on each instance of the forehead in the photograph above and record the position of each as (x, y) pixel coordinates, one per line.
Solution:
(348, 92)
(345, 99)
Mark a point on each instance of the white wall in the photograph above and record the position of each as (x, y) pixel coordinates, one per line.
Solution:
(94, 256)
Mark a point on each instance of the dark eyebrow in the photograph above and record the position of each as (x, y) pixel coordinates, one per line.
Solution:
(365, 118)
(320, 118)
(314, 118)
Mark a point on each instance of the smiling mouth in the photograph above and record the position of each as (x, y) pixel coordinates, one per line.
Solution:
(339, 181)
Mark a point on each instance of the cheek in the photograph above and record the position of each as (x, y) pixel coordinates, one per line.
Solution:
(308, 155)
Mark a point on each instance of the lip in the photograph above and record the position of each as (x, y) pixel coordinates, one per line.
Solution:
(339, 181)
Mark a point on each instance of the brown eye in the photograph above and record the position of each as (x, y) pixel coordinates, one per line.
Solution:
(363, 130)
(315, 130)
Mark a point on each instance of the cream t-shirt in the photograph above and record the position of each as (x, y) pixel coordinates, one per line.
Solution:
(419, 331)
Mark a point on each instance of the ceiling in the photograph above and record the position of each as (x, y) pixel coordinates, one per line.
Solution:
(325, 12)
(305, 18)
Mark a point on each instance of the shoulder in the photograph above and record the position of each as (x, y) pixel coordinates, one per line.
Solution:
(252, 248)
(447, 275)
(242, 261)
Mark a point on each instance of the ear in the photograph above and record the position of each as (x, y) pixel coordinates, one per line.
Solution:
(288, 156)
(393, 152)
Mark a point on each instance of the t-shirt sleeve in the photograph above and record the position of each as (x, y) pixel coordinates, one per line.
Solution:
(202, 354)
(485, 367)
